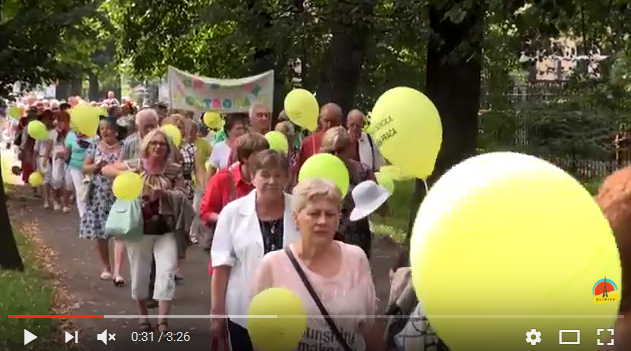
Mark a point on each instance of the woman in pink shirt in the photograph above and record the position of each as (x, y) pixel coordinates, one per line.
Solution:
(332, 279)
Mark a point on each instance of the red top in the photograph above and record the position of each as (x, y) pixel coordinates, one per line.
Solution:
(309, 147)
(218, 192)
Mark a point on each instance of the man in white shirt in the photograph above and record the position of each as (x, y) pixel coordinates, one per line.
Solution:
(365, 151)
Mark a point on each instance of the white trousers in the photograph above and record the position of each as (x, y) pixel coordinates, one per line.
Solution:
(164, 249)
(77, 180)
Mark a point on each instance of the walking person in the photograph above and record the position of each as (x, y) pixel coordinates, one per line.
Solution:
(248, 228)
(100, 199)
(166, 216)
(146, 120)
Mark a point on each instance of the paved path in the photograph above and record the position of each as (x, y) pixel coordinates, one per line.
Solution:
(77, 261)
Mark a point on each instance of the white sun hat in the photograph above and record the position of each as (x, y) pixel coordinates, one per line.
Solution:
(368, 197)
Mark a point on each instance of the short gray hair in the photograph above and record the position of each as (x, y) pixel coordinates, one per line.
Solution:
(257, 106)
(146, 114)
(311, 189)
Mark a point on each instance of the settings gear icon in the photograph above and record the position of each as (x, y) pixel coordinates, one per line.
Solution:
(533, 337)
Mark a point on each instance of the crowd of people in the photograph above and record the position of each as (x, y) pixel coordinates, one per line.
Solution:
(227, 191)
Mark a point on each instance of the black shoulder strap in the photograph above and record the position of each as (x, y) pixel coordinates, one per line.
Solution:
(372, 151)
(316, 299)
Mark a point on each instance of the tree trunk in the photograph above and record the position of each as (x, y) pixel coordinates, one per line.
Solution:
(345, 55)
(62, 90)
(93, 90)
(9, 253)
(454, 67)
(76, 87)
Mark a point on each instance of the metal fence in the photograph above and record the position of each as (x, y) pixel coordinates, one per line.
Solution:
(591, 169)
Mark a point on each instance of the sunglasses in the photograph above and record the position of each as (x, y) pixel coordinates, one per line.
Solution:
(156, 143)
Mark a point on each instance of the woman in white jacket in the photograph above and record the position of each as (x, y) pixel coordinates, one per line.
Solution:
(247, 229)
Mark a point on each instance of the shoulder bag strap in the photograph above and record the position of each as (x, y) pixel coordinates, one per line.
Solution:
(316, 299)
(233, 189)
(372, 152)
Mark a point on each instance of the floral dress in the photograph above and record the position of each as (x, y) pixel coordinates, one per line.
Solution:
(357, 232)
(100, 197)
(188, 167)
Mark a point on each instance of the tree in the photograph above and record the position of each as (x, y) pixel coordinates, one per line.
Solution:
(9, 253)
(454, 68)
(30, 39)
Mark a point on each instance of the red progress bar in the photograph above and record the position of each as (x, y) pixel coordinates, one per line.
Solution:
(56, 316)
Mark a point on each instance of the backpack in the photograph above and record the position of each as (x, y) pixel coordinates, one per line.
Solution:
(408, 328)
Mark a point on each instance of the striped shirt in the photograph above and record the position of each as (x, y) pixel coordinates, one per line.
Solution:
(131, 147)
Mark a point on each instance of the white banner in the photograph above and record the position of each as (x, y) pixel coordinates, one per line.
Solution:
(201, 94)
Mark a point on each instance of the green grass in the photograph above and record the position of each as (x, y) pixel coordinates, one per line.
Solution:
(395, 224)
(27, 292)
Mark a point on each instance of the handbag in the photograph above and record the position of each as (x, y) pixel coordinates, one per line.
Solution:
(125, 220)
(325, 314)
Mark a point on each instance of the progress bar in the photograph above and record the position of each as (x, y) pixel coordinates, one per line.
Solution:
(209, 316)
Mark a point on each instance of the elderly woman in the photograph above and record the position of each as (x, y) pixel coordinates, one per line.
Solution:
(230, 184)
(166, 216)
(614, 198)
(330, 277)
(100, 199)
(337, 141)
(247, 229)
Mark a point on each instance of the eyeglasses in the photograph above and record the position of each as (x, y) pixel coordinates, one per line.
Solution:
(158, 143)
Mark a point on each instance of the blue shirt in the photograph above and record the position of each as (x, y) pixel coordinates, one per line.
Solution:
(77, 153)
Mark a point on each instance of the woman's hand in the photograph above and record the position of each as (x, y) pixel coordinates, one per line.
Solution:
(157, 193)
(218, 329)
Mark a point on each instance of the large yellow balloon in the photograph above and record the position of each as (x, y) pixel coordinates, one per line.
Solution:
(174, 133)
(212, 120)
(277, 141)
(406, 127)
(276, 334)
(328, 167)
(302, 108)
(505, 243)
(85, 119)
(36, 179)
(37, 130)
(127, 186)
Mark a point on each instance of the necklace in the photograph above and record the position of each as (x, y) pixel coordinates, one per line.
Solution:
(108, 146)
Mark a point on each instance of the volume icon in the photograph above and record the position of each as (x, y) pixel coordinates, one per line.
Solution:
(69, 337)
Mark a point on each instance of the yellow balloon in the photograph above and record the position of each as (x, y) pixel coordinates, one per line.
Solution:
(386, 181)
(127, 186)
(504, 243)
(276, 334)
(395, 172)
(85, 119)
(328, 167)
(174, 133)
(212, 120)
(37, 130)
(277, 141)
(15, 112)
(404, 117)
(302, 108)
(36, 179)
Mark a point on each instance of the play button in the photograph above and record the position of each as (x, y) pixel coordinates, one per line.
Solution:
(28, 336)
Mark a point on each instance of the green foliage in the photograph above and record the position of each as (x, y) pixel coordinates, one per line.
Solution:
(30, 39)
